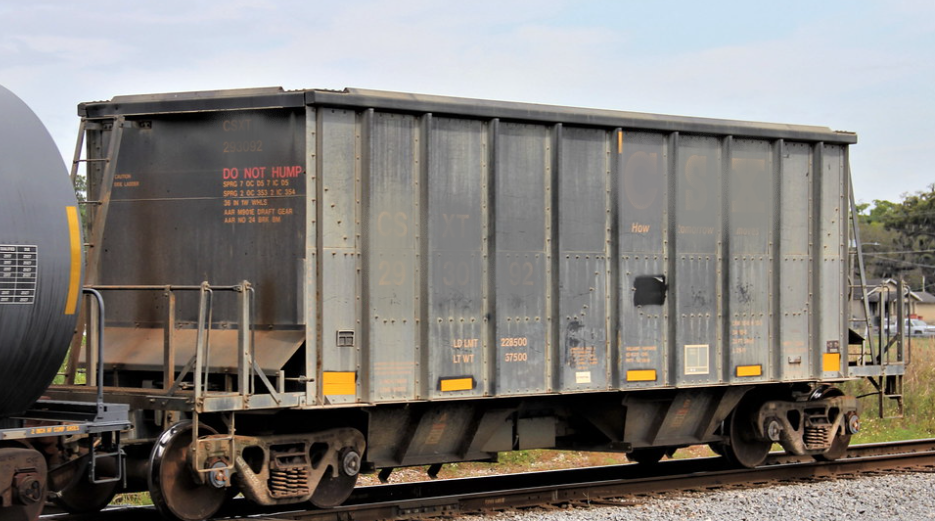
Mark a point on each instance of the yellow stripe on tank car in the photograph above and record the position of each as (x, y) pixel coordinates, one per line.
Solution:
(74, 278)
(749, 370)
(641, 375)
(338, 383)
(831, 362)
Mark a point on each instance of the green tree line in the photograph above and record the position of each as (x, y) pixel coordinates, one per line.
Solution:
(899, 238)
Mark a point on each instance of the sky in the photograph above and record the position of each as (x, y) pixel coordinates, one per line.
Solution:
(861, 66)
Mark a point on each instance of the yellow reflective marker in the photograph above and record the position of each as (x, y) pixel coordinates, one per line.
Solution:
(641, 375)
(456, 384)
(74, 279)
(339, 383)
(831, 362)
(749, 370)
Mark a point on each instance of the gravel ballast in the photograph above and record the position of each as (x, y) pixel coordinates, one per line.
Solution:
(906, 497)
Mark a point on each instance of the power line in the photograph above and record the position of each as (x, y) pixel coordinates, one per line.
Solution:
(922, 212)
(908, 263)
(907, 252)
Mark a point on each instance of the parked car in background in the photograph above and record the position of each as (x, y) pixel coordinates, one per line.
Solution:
(929, 329)
(914, 327)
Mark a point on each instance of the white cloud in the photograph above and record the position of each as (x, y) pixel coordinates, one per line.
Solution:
(866, 68)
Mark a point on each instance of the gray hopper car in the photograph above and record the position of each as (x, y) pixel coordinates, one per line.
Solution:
(375, 279)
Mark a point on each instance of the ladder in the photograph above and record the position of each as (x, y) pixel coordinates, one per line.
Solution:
(881, 362)
(97, 211)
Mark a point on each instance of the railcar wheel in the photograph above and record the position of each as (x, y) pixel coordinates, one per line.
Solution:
(31, 510)
(333, 490)
(744, 448)
(840, 442)
(81, 496)
(25, 482)
(173, 488)
(647, 456)
(838, 448)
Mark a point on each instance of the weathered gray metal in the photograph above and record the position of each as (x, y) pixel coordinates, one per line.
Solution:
(426, 248)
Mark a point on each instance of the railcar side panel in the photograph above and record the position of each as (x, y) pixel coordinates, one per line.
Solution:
(339, 257)
(392, 226)
(642, 232)
(521, 171)
(749, 251)
(233, 185)
(457, 168)
(582, 267)
(833, 262)
(698, 264)
(795, 288)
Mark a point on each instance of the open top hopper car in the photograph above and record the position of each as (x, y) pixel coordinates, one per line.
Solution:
(304, 285)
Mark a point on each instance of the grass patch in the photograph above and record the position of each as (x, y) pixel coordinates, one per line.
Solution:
(135, 499)
(81, 376)
(918, 399)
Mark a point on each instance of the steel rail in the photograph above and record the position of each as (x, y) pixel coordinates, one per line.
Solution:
(596, 484)
(591, 485)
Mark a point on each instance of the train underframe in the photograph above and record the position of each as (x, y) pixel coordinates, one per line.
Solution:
(192, 463)
(69, 452)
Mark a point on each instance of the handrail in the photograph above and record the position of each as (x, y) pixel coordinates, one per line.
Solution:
(100, 348)
(199, 364)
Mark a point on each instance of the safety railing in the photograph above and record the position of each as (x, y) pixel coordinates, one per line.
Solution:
(199, 365)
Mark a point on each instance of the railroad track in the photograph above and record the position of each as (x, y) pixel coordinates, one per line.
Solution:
(616, 485)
